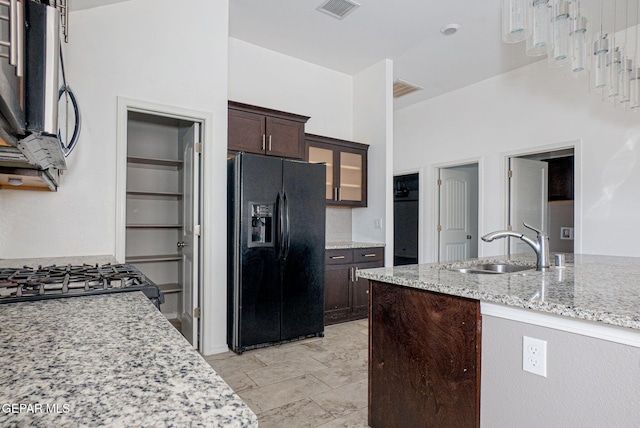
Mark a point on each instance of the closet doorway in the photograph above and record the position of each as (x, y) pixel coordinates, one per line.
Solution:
(159, 205)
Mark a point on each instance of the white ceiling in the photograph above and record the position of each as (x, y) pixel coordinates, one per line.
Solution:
(406, 31)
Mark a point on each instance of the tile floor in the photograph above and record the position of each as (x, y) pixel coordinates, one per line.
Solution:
(319, 382)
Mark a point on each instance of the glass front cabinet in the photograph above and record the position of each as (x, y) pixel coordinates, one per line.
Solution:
(346, 163)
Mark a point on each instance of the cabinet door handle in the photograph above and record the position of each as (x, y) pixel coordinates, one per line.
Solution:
(339, 196)
(351, 269)
(369, 255)
(336, 257)
(20, 40)
(13, 32)
(263, 141)
(335, 193)
(269, 142)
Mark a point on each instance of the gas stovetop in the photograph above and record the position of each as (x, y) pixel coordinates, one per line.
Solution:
(50, 282)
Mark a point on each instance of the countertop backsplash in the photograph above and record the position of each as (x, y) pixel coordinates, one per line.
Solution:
(338, 225)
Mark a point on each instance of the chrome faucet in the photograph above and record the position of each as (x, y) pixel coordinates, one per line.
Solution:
(540, 245)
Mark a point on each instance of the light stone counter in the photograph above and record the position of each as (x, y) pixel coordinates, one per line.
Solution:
(596, 288)
(107, 360)
(345, 245)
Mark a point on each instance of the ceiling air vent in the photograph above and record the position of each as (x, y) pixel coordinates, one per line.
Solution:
(338, 8)
(402, 88)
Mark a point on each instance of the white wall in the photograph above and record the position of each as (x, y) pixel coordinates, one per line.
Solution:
(269, 79)
(590, 382)
(147, 50)
(527, 110)
(373, 125)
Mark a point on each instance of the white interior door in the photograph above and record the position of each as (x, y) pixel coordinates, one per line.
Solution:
(458, 235)
(528, 199)
(190, 238)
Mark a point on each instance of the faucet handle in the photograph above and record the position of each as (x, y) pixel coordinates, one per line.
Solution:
(539, 232)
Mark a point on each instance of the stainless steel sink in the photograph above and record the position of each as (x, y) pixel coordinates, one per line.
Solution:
(492, 268)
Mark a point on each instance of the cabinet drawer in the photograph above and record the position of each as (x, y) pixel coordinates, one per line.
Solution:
(368, 255)
(338, 257)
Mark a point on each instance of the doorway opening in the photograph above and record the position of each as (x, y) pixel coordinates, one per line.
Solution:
(406, 208)
(541, 192)
(457, 190)
(159, 205)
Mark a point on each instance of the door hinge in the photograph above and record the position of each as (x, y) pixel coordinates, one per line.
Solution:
(198, 148)
(197, 230)
(439, 228)
(439, 182)
(196, 313)
(510, 174)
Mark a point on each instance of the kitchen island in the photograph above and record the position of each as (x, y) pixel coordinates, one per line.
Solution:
(588, 313)
(106, 360)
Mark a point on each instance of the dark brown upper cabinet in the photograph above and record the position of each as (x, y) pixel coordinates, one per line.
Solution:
(346, 163)
(561, 171)
(264, 131)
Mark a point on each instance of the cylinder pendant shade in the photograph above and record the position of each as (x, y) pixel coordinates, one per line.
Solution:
(561, 30)
(538, 43)
(514, 21)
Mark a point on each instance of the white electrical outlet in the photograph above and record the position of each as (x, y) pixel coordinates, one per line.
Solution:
(377, 223)
(534, 356)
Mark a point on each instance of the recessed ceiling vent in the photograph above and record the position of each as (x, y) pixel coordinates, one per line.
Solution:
(402, 88)
(338, 8)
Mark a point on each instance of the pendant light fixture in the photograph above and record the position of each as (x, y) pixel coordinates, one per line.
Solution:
(614, 65)
(624, 77)
(514, 19)
(578, 37)
(614, 62)
(561, 28)
(585, 42)
(578, 41)
(600, 51)
(538, 42)
(634, 82)
(634, 89)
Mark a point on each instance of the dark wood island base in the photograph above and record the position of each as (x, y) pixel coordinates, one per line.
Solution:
(424, 358)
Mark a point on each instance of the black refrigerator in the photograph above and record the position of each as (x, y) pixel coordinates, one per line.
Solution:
(276, 244)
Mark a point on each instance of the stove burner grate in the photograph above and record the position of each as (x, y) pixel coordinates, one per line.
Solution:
(29, 283)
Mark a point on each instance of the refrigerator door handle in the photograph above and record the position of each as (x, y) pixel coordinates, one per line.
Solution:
(287, 235)
(280, 227)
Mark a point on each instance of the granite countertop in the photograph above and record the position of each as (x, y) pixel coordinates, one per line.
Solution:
(106, 360)
(596, 288)
(345, 245)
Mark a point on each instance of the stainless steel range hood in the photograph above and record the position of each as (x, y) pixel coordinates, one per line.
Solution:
(29, 103)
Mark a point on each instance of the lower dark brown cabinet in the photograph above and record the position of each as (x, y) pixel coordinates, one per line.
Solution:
(346, 298)
(424, 358)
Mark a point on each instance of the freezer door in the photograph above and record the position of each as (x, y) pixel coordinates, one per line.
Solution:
(303, 266)
(257, 292)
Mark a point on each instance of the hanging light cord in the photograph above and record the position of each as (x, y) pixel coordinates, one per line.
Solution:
(66, 91)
